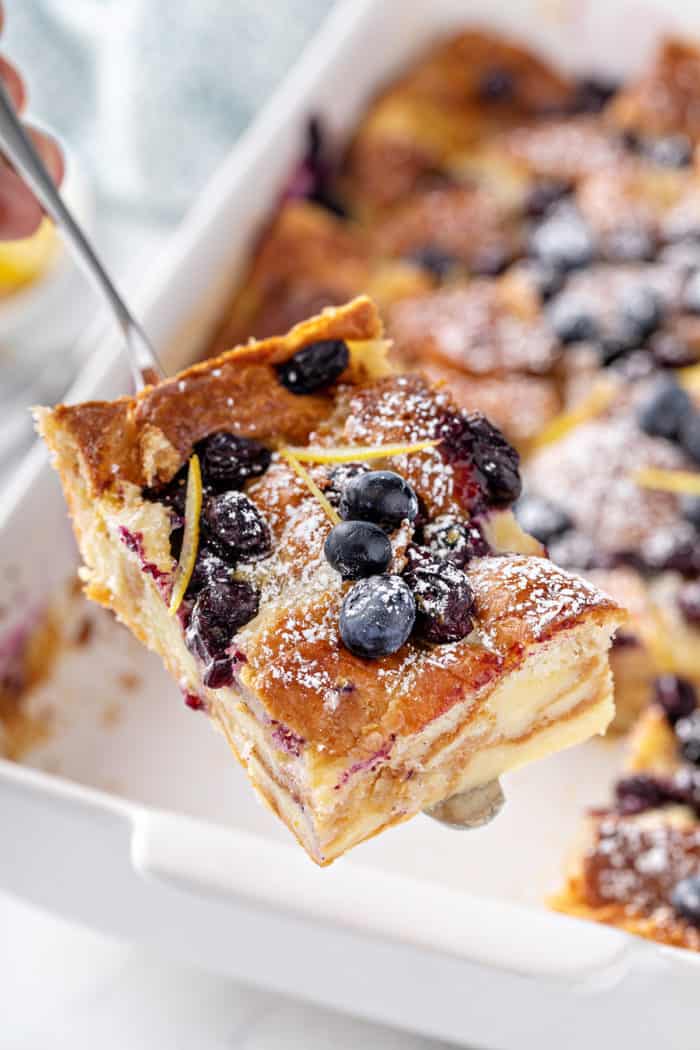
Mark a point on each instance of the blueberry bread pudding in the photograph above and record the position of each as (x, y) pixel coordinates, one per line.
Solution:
(626, 512)
(639, 868)
(322, 552)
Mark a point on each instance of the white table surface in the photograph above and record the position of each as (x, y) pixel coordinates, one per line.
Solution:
(67, 988)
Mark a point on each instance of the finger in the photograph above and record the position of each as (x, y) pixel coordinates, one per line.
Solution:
(20, 211)
(50, 152)
(14, 84)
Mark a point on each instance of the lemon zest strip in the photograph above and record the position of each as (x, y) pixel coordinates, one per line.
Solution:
(290, 458)
(190, 539)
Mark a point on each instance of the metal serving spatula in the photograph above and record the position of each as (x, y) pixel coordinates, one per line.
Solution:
(470, 809)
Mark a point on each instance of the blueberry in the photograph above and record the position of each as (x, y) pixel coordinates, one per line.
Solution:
(541, 518)
(674, 548)
(433, 259)
(671, 151)
(543, 195)
(636, 793)
(617, 342)
(688, 735)
(664, 411)
(546, 279)
(691, 293)
(357, 548)
(562, 239)
(685, 898)
(574, 550)
(592, 94)
(236, 522)
(220, 611)
(642, 308)
(675, 695)
(380, 496)
(495, 459)
(638, 364)
(377, 616)
(496, 85)
(340, 477)
(210, 567)
(490, 261)
(630, 244)
(228, 461)
(690, 435)
(315, 366)
(455, 541)
(690, 509)
(572, 318)
(671, 352)
(172, 495)
(688, 599)
(444, 601)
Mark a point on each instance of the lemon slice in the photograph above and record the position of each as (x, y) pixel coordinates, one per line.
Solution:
(593, 405)
(689, 378)
(23, 261)
(349, 453)
(685, 482)
(289, 457)
(190, 539)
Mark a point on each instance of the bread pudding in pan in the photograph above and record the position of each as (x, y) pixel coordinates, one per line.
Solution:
(323, 553)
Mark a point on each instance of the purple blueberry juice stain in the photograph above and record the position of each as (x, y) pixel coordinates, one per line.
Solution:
(367, 763)
(133, 541)
(287, 740)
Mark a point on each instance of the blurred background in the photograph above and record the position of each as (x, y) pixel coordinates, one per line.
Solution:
(146, 97)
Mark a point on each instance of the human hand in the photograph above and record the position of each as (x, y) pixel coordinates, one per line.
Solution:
(20, 211)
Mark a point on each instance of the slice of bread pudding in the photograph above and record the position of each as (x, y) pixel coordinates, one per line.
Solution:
(322, 553)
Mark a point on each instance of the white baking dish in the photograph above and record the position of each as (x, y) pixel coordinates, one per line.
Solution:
(133, 818)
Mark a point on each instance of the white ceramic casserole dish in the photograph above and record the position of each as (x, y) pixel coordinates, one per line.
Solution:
(132, 818)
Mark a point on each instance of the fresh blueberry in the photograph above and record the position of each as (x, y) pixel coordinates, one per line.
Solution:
(690, 509)
(676, 696)
(377, 616)
(671, 352)
(546, 279)
(562, 239)
(688, 599)
(541, 518)
(496, 85)
(444, 601)
(315, 366)
(543, 195)
(685, 898)
(691, 293)
(455, 541)
(639, 792)
(357, 548)
(592, 94)
(228, 461)
(490, 261)
(575, 550)
(671, 151)
(690, 435)
(380, 496)
(219, 612)
(435, 260)
(675, 548)
(635, 365)
(172, 495)
(665, 409)
(340, 477)
(210, 567)
(572, 317)
(630, 244)
(234, 521)
(642, 308)
(688, 735)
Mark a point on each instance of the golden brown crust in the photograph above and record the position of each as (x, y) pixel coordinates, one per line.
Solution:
(664, 99)
(311, 683)
(239, 391)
